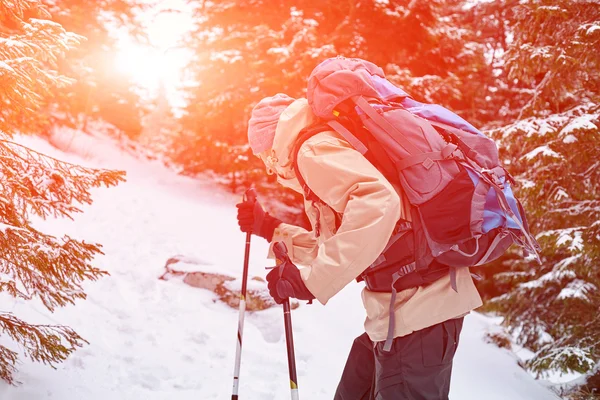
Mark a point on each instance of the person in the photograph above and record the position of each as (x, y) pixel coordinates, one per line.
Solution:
(350, 229)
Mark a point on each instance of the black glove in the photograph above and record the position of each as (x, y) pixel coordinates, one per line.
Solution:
(253, 219)
(284, 281)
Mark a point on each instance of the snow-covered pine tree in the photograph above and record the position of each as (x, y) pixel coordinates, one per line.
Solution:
(246, 50)
(553, 151)
(34, 265)
(553, 309)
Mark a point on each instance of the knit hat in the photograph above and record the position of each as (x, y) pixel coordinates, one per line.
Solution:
(263, 121)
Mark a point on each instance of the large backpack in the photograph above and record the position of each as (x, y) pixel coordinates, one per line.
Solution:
(463, 211)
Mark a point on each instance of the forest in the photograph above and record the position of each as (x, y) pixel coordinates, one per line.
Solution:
(525, 72)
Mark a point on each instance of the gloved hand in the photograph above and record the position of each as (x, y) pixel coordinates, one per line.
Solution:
(284, 281)
(253, 219)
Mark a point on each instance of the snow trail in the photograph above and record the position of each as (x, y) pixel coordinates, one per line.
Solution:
(157, 340)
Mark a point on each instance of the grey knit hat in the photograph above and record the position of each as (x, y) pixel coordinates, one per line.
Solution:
(263, 121)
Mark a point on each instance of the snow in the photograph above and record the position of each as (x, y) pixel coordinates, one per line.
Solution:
(561, 194)
(45, 23)
(310, 22)
(581, 123)
(5, 66)
(576, 289)
(576, 240)
(542, 52)
(526, 183)
(593, 28)
(4, 227)
(11, 42)
(550, 8)
(544, 151)
(564, 353)
(472, 3)
(540, 127)
(565, 262)
(227, 56)
(552, 276)
(156, 340)
(284, 51)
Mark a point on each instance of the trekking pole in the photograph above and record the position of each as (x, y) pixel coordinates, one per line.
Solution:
(281, 254)
(251, 196)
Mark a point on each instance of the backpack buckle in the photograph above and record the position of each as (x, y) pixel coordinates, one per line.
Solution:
(401, 226)
(493, 176)
(428, 163)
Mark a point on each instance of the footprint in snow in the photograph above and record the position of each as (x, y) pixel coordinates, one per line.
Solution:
(270, 325)
(201, 338)
(188, 358)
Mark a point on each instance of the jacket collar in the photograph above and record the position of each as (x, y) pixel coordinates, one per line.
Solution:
(292, 121)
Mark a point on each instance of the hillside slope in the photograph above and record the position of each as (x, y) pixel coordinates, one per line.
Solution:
(152, 339)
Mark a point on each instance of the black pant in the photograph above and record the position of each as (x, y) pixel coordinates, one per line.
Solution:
(418, 367)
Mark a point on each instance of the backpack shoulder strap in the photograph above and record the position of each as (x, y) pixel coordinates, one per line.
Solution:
(306, 134)
(312, 131)
(310, 195)
(349, 136)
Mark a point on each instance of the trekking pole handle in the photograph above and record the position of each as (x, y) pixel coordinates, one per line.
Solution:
(250, 195)
(281, 254)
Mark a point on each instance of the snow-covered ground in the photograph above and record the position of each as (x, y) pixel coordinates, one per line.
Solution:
(152, 339)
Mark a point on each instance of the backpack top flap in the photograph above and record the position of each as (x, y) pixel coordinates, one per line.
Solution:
(338, 79)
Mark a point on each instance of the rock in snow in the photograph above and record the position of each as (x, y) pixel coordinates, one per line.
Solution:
(190, 270)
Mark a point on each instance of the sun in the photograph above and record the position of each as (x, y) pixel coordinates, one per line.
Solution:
(144, 64)
(162, 60)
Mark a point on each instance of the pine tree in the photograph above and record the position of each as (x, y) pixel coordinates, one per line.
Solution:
(553, 151)
(246, 50)
(34, 265)
(553, 308)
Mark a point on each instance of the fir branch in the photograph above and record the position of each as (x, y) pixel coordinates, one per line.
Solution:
(48, 344)
(8, 360)
(44, 185)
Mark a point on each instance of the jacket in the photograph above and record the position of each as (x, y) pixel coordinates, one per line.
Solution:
(370, 207)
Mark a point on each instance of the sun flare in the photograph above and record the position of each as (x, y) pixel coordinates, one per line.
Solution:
(161, 62)
(148, 66)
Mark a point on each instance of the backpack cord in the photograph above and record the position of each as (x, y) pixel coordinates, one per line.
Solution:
(501, 235)
(457, 249)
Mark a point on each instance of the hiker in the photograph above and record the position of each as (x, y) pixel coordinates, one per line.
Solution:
(412, 324)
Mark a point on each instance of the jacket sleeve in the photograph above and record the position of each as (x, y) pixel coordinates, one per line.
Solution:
(347, 182)
(301, 244)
